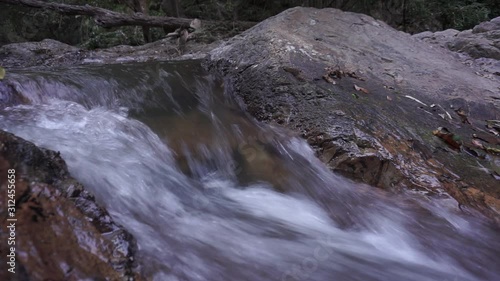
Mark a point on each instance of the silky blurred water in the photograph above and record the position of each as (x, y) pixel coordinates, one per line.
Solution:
(211, 194)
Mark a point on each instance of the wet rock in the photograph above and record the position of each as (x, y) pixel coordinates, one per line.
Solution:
(383, 137)
(194, 139)
(49, 53)
(9, 96)
(44, 53)
(61, 233)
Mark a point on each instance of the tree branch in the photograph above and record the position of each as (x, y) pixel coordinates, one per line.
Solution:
(107, 18)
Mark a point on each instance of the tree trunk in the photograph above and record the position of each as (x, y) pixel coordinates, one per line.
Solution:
(107, 18)
(142, 6)
(172, 8)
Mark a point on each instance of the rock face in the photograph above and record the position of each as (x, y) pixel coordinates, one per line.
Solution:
(61, 234)
(46, 52)
(52, 53)
(481, 44)
(368, 98)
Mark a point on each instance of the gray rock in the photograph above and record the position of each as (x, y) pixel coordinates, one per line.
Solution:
(487, 26)
(481, 45)
(283, 70)
(440, 38)
(45, 52)
(51, 53)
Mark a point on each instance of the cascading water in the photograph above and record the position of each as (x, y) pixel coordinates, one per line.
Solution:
(210, 194)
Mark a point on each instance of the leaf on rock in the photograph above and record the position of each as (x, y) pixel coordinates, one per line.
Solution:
(492, 150)
(449, 138)
(358, 88)
(334, 73)
(477, 143)
(493, 124)
(337, 73)
(493, 132)
(463, 115)
(486, 138)
(2, 73)
(353, 74)
(329, 79)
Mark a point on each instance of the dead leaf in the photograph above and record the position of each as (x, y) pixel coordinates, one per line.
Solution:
(334, 73)
(329, 79)
(493, 124)
(487, 138)
(492, 150)
(463, 115)
(494, 133)
(449, 138)
(352, 74)
(477, 143)
(358, 88)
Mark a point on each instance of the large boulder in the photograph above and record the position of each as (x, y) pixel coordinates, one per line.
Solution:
(47, 52)
(481, 45)
(50, 53)
(60, 232)
(368, 98)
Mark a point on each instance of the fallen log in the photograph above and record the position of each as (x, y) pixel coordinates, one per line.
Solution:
(108, 18)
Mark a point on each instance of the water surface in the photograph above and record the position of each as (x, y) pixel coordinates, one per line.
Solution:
(211, 194)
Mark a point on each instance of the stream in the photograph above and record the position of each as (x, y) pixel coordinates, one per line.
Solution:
(211, 194)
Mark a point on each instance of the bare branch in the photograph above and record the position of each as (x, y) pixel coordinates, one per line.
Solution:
(107, 18)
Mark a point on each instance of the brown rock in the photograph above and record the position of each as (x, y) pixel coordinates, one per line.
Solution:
(61, 234)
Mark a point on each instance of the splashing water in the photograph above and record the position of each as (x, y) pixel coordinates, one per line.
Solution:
(210, 194)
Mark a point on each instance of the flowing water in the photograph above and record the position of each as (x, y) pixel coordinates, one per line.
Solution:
(211, 194)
